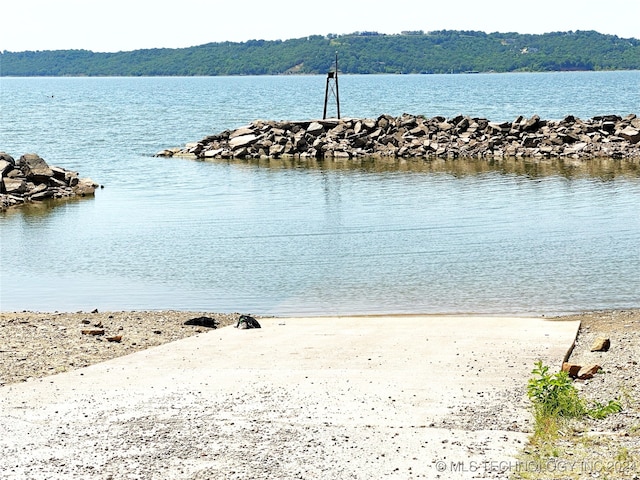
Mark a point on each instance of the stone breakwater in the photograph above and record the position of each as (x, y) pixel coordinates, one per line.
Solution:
(31, 179)
(420, 137)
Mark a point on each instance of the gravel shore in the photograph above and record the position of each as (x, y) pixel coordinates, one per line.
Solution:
(37, 344)
(609, 447)
(34, 344)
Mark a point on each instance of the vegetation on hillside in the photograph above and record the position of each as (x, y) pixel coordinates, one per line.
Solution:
(443, 51)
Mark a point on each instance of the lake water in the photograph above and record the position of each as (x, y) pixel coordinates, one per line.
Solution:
(315, 238)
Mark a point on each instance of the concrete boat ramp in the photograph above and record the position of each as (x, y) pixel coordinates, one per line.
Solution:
(301, 398)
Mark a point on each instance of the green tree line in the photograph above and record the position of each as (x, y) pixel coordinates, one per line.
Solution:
(443, 51)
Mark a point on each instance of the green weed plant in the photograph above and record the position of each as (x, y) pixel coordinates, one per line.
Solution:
(558, 409)
(555, 395)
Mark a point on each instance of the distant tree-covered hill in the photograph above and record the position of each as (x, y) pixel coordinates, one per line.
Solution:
(362, 52)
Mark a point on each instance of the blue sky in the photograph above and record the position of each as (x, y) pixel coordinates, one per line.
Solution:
(115, 25)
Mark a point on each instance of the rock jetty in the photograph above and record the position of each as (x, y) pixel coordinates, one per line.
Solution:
(421, 137)
(31, 179)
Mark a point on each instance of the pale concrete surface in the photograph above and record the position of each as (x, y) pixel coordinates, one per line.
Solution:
(324, 398)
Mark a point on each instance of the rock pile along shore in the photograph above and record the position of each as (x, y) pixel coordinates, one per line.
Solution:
(31, 179)
(410, 136)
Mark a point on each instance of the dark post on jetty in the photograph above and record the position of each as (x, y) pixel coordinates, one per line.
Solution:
(332, 87)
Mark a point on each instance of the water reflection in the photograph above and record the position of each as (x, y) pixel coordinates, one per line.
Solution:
(33, 212)
(600, 168)
(289, 237)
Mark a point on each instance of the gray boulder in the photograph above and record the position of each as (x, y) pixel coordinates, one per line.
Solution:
(242, 141)
(34, 167)
(14, 186)
(5, 166)
(85, 187)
